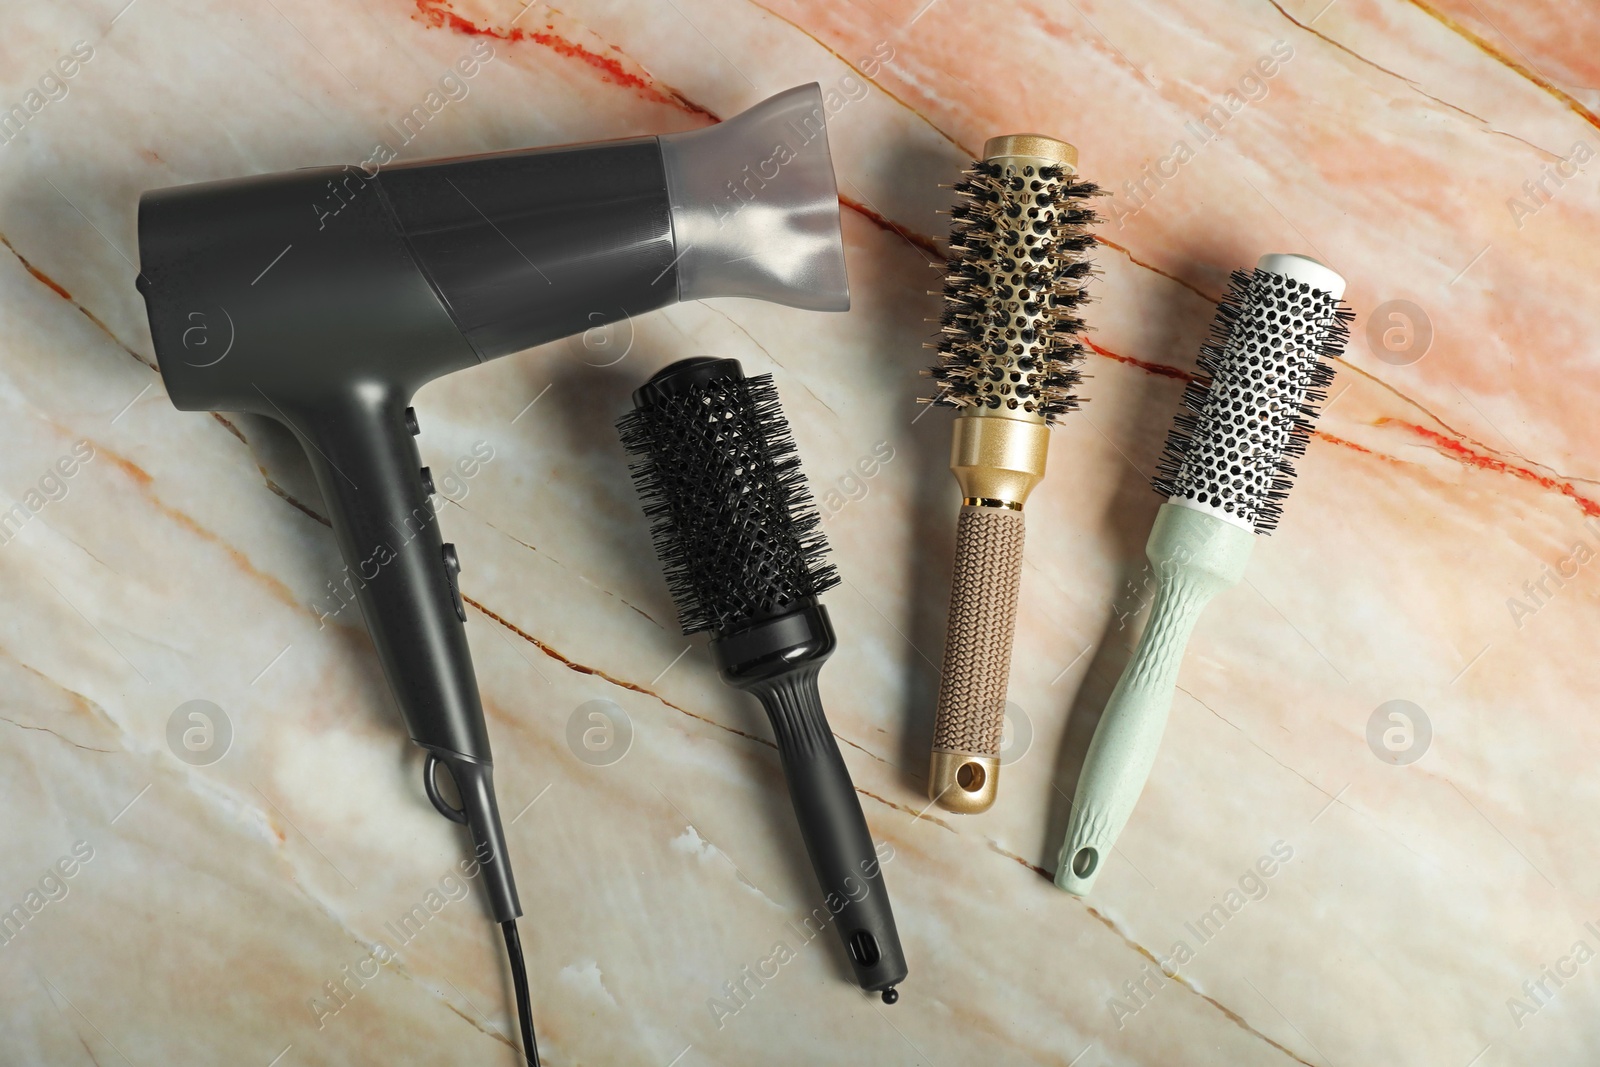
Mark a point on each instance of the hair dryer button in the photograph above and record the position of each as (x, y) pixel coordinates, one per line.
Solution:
(411, 421)
(452, 567)
(427, 481)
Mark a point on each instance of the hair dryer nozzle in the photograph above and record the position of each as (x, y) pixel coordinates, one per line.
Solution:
(755, 211)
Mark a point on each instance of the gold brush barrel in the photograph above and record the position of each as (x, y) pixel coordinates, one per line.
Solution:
(1005, 369)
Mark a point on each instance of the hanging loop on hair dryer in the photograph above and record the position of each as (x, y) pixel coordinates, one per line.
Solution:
(430, 783)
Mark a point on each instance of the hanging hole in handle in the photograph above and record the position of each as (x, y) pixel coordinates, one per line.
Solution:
(971, 777)
(430, 783)
(1084, 863)
(864, 948)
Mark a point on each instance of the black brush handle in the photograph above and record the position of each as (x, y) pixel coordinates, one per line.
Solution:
(835, 831)
(854, 898)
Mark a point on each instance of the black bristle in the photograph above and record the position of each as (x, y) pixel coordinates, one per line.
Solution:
(733, 522)
(1253, 406)
(1010, 232)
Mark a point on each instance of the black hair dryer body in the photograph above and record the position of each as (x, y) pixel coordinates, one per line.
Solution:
(262, 299)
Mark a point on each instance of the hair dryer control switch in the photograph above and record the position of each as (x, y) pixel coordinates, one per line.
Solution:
(452, 569)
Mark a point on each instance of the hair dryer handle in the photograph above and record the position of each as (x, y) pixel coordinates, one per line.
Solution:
(369, 470)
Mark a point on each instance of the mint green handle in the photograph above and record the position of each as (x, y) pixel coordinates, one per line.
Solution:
(1195, 556)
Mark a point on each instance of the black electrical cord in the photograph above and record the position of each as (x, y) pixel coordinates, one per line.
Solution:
(519, 979)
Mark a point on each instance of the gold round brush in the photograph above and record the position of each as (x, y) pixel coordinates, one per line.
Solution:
(1009, 360)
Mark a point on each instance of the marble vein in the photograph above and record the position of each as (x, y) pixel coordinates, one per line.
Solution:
(1478, 120)
(1455, 27)
(1426, 887)
(55, 287)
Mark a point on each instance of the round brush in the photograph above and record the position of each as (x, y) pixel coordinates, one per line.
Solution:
(1225, 473)
(1009, 359)
(739, 539)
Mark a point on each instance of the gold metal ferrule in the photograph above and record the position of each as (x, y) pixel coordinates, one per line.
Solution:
(998, 458)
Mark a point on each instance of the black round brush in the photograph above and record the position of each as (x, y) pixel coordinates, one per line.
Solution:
(738, 536)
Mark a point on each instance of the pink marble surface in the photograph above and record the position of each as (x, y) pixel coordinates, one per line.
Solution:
(1419, 908)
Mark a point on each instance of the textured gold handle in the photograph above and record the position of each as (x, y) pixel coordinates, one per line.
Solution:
(970, 720)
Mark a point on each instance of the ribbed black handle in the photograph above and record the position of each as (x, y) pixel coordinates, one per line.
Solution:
(854, 898)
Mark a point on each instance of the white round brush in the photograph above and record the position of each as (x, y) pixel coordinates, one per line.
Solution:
(1225, 474)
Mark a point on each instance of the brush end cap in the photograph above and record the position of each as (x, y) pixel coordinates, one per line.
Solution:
(1300, 268)
(1034, 145)
(684, 375)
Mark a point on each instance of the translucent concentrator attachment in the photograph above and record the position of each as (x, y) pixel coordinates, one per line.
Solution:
(755, 211)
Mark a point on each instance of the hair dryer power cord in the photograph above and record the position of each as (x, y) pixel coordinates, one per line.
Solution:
(519, 979)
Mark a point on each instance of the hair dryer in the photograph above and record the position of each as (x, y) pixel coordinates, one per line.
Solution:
(262, 299)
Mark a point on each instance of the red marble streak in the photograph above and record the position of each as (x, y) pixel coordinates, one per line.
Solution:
(1323, 435)
(1482, 461)
(1150, 368)
(438, 13)
(916, 239)
(43, 277)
